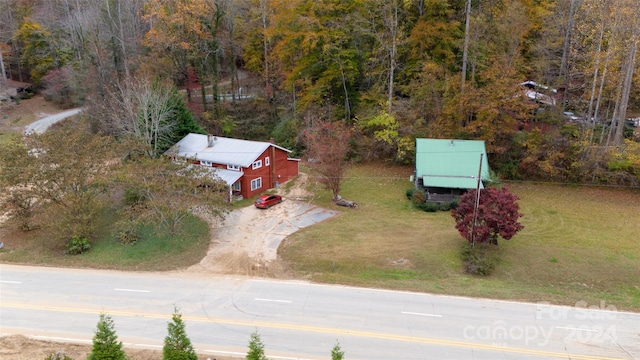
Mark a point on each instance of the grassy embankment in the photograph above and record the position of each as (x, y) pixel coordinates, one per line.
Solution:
(155, 251)
(579, 244)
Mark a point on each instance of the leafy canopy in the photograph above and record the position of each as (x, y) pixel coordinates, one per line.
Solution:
(327, 146)
(498, 214)
(64, 170)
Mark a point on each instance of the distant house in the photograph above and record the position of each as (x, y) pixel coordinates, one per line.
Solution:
(15, 89)
(248, 167)
(540, 93)
(447, 168)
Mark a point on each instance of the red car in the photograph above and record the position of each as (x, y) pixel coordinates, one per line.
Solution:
(266, 201)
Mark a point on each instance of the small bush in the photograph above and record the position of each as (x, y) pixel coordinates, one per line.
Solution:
(60, 355)
(78, 245)
(128, 236)
(126, 231)
(454, 204)
(132, 196)
(445, 206)
(410, 192)
(430, 206)
(418, 197)
(479, 260)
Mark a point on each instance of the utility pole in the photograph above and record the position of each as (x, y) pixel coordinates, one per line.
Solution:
(475, 208)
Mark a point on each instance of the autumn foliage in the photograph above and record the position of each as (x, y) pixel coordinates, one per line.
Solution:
(327, 146)
(498, 214)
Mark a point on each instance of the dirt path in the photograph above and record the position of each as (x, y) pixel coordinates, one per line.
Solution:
(40, 126)
(247, 241)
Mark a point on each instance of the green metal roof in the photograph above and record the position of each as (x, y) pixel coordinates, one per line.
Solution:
(450, 163)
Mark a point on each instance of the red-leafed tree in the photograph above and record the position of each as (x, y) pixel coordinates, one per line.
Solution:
(498, 214)
(327, 146)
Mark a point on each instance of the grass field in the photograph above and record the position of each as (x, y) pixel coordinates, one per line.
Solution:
(579, 244)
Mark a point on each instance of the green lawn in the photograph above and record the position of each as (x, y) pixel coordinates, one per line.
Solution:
(5, 136)
(579, 244)
(157, 250)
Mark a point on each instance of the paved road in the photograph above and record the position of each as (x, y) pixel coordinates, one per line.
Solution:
(298, 320)
(43, 124)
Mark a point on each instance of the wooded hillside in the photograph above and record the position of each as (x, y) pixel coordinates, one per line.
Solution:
(392, 70)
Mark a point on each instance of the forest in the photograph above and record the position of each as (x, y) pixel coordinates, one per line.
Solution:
(550, 85)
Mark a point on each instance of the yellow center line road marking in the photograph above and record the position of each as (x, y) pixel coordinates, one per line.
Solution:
(317, 329)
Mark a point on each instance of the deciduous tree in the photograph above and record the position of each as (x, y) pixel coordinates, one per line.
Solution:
(63, 170)
(383, 20)
(145, 113)
(152, 112)
(41, 51)
(320, 52)
(15, 174)
(327, 147)
(169, 191)
(187, 33)
(384, 129)
(497, 215)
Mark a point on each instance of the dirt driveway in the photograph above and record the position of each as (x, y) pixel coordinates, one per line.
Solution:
(247, 241)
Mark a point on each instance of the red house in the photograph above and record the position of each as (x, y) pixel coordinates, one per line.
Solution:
(248, 167)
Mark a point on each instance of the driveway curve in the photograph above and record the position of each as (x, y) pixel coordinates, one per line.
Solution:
(40, 126)
(247, 241)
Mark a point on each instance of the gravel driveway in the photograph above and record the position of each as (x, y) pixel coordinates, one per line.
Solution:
(247, 241)
(43, 124)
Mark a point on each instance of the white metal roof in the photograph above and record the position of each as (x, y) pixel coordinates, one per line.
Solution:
(224, 150)
(228, 176)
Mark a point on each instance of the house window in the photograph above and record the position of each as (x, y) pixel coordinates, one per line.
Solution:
(236, 186)
(256, 183)
(257, 164)
(205, 163)
(233, 167)
(266, 161)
